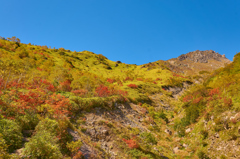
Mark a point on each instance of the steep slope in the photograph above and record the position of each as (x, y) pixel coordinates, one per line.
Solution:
(211, 117)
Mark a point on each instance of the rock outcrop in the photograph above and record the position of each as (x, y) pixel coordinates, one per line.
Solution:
(202, 56)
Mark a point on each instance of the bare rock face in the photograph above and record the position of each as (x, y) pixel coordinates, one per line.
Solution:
(99, 133)
(202, 56)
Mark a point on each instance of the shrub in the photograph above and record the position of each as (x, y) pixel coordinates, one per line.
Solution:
(132, 86)
(202, 155)
(43, 145)
(74, 147)
(3, 148)
(204, 133)
(49, 125)
(102, 91)
(187, 98)
(148, 138)
(110, 80)
(11, 133)
(132, 144)
(192, 113)
(28, 121)
(214, 92)
(137, 154)
(163, 116)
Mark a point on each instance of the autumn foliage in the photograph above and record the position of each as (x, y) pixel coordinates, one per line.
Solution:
(132, 144)
(134, 86)
(105, 91)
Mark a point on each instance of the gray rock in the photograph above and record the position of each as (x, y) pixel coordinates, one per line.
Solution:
(185, 145)
(216, 135)
(188, 130)
(169, 132)
(175, 149)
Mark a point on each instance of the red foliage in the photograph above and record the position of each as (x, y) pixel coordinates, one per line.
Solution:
(80, 92)
(187, 98)
(39, 69)
(65, 86)
(197, 100)
(158, 79)
(110, 80)
(121, 92)
(60, 104)
(78, 155)
(227, 102)
(132, 86)
(214, 92)
(102, 91)
(128, 79)
(154, 82)
(210, 99)
(28, 101)
(131, 143)
(39, 83)
(139, 79)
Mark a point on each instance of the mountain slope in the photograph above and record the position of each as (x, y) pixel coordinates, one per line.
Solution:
(76, 104)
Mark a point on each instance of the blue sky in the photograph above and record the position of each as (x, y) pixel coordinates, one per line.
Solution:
(132, 31)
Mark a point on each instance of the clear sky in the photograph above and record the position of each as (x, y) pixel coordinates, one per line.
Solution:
(132, 31)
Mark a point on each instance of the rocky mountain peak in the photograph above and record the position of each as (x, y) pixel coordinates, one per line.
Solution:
(202, 56)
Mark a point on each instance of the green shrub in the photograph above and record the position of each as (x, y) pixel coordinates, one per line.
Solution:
(28, 121)
(163, 116)
(11, 132)
(204, 133)
(202, 155)
(73, 146)
(137, 154)
(43, 145)
(3, 148)
(192, 113)
(148, 138)
(49, 125)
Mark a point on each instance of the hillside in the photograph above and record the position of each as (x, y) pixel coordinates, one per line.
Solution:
(57, 103)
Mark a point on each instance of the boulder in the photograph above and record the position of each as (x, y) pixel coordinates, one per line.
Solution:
(175, 149)
(169, 132)
(188, 130)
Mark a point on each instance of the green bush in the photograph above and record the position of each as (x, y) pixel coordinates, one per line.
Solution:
(137, 154)
(163, 116)
(148, 138)
(204, 134)
(192, 113)
(202, 155)
(11, 132)
(49, 125)
(3, 148)
(28, 121)
(43, 145)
